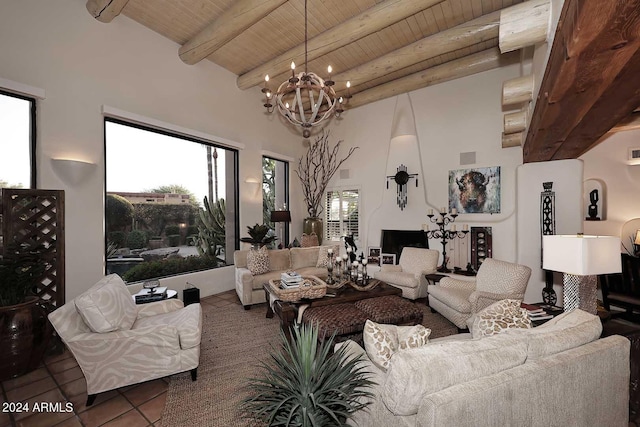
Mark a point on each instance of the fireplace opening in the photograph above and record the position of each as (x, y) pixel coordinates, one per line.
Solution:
(393, 241)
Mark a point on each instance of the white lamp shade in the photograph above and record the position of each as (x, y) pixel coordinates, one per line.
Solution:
(581, 255)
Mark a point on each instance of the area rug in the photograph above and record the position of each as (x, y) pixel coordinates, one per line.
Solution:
(233, 342)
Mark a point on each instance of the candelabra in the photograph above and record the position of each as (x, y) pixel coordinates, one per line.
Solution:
(442, 233)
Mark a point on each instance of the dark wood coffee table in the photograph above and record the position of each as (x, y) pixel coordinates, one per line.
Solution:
(288, 311)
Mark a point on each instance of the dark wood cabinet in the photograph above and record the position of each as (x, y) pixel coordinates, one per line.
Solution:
(481, 245)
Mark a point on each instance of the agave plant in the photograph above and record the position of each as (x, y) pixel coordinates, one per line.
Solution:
(305, 385)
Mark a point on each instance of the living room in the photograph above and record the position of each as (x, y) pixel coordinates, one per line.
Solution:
(78, 68)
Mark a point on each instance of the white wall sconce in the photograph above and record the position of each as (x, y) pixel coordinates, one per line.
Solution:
(71, 171)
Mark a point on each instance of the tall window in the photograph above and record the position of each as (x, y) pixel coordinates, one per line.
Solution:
(170, 203)
(17, 141)
(275, 194)
(341, 211)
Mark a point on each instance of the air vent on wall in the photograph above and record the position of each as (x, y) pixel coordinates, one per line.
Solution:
(633, 156)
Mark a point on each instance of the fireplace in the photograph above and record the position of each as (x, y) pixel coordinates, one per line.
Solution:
(393, 241)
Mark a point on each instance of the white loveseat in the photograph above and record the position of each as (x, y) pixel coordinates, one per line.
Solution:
(558, 374)
(302, 260)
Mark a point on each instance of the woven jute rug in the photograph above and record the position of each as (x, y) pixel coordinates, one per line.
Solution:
(233, 341)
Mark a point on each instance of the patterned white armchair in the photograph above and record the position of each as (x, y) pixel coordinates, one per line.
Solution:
(409, 274)
(459, 300)
(118, 343)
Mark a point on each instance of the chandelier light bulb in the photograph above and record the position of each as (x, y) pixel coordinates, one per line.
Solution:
(329, 69)
(293, 66)
(266, 78)
(348, 85)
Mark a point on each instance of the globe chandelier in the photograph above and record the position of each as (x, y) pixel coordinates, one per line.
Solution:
(306, 100)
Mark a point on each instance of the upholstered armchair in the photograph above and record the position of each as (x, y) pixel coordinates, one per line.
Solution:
(118, 343)
(409, 274)
(459, 300)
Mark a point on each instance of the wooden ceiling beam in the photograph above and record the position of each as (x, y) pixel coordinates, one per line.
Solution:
(631, 122)
(464, 35)
(590, 82)
(524, 24)
(472, 64)
(105, 10)
(371, 20)
(241, 15)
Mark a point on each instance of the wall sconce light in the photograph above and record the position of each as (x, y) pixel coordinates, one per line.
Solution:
(71, 171)
(251, 181)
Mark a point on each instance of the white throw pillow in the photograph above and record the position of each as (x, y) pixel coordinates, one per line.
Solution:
(107, 306)
(382, 341)
(258, 261)
(500, 316)
(323, 255)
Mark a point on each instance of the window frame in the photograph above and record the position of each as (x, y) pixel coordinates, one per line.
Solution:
(287, 191)
(33, 132)
(186, 137)
(342, 189)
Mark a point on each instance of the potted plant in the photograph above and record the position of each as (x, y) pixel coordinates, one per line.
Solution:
(305, 385)
(24, 327)
(315, 170)
(259, 235)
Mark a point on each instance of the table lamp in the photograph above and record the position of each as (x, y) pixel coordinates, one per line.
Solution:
(581, 258)
(282, 216)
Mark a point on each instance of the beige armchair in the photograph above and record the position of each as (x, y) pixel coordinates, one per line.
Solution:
(459, 300)
(409, 274)
(118, 343)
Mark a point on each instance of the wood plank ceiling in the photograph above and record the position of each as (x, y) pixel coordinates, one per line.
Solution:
(388, 47)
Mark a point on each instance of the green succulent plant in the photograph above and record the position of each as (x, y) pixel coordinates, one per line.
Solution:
(304, 384)
(258, 235)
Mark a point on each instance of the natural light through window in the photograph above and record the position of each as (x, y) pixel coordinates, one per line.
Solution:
(157, 221)
(15, 144)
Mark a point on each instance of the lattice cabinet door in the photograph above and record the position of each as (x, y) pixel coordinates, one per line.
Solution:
(37, 216)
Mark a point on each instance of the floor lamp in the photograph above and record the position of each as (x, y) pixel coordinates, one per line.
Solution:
(282, 216)
(581, 258)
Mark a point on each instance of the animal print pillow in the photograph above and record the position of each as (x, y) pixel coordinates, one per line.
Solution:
(323, 255)
(500, 316)
(258, 261)
(383, 341)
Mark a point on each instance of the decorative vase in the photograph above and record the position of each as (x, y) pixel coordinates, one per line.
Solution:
(24, 336)
(313, 225)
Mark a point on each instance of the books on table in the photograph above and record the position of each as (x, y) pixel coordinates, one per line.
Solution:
(536, 312)
(290, 279)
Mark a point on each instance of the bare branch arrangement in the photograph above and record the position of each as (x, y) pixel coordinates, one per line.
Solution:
(316, 168)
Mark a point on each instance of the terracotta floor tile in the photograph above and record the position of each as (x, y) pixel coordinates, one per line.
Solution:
(68, 375)
(153, 408)
(99, 414)
(32, 389)
(32, 376)
(51, 396)
(133, 418)
(45, 418)
(62, 365)
(71, 422)
(145, 391)
(79, 401)
(74, 388)
(57, 357)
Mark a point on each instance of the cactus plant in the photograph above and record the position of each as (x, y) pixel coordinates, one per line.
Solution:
(211, 229)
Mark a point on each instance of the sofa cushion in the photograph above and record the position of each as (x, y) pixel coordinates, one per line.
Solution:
(498, 317)
(323, 255)
(381, 341)
(304, 257)
(418, 372)
(107, 306)
(258, 261)
(563, 332)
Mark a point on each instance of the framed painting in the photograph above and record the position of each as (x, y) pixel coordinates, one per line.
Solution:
(475, 190)
(387, 259)
(373, 257)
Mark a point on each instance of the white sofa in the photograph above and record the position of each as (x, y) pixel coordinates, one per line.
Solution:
(558, 374)
(303, 260)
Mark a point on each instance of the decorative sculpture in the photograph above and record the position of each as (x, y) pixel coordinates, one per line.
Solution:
(548, 226)
(401, 178)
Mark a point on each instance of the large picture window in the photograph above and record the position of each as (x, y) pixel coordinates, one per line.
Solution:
(17, 141)
(275, 196)
(341, 211)
(170, 203)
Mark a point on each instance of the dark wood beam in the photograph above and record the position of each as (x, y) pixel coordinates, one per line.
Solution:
(590, 83)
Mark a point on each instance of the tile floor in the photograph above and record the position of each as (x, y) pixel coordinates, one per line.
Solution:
(60, 380)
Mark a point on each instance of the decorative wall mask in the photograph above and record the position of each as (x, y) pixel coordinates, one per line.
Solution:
(401, 178)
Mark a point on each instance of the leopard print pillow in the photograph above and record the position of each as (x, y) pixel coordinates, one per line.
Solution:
(258, 261)
(500, 316)
(323, 255)
(383, 341)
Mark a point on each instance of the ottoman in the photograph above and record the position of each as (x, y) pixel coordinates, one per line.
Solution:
(345, 320)
(392, 310)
